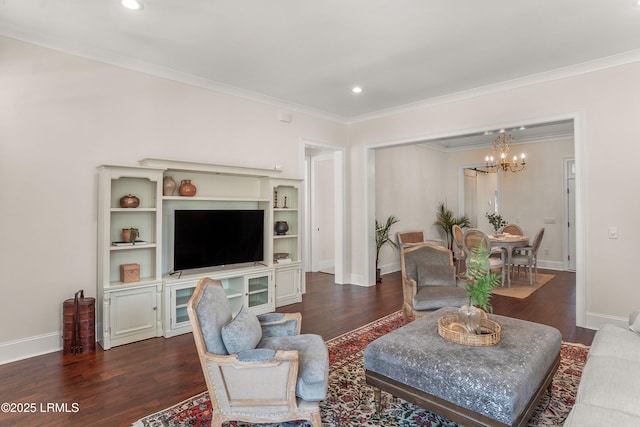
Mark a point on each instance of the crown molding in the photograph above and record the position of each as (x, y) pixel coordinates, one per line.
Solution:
(560, 73)
(115, 59)
(133, 64)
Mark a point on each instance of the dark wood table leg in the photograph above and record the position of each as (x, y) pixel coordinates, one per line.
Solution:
(377, 398)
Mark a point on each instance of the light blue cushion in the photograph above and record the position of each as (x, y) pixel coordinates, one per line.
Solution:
(270, 317)
(313, 363)
(435, 297)
(242, 333)
(213, 311)
(256, 355)
(436, 275)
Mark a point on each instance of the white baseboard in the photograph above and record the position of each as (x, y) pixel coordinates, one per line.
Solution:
(552, 265)
(390, 268)
(359, 280)
(12, 351)
(596, 320)
(326, 265)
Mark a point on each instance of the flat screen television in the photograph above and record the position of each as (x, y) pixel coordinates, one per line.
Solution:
(209, 238)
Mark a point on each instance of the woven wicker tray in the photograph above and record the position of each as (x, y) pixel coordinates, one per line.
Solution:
(451, 330)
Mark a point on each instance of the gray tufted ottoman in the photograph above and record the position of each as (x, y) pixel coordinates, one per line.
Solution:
(474, 386)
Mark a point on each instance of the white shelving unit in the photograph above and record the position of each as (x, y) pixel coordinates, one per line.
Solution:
(128, 312)
(156, 305)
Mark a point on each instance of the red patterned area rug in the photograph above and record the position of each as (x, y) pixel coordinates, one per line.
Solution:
(350, 400)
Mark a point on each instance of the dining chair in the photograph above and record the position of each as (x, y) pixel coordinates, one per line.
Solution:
(514, 229)
(528, 257)
(408, 238)
(472, 238)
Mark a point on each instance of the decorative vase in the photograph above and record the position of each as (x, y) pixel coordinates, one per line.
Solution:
(470, 317)
(281, 228)
(130, 234)
(187, 188)
(129, 201)
(168, 186)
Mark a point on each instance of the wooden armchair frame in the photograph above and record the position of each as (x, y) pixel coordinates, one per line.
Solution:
(409, 285)
(251, 391)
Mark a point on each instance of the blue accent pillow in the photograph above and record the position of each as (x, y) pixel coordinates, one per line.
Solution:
(242, 333)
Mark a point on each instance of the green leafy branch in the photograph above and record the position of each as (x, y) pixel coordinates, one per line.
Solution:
(480, 281)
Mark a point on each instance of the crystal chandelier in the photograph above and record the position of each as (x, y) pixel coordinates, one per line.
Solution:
(501, 146)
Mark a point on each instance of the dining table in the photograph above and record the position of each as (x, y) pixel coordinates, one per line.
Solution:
(508, 242)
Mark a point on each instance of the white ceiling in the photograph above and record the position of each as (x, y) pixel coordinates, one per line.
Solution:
(307, 54)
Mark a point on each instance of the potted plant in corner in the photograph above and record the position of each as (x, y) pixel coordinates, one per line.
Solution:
(445, 220)
(383, 238)
(480, 283)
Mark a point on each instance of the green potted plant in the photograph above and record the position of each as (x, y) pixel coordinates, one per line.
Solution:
(496, 221)
(382, 238)
(446, 220)
(130, 235)
(480, 283)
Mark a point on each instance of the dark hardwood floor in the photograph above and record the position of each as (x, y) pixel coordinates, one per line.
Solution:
(121, 385)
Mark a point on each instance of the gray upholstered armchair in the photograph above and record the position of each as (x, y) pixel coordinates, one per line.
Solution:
(428, 280)
(257, 368)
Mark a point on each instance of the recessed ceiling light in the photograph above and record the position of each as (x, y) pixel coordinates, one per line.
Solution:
(356, 89)
(132, 4)
(635, 2)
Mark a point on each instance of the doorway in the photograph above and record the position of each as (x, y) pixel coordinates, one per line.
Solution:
(479, 193)
(575, 119)
(324, 238)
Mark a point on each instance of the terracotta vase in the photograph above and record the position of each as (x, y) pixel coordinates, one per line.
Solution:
(129, 201)
(130, 234)
(187, 188)
(168, 186)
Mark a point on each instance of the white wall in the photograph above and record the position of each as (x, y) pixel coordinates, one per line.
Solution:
(407, 186)
(605, 104)
(60, 117)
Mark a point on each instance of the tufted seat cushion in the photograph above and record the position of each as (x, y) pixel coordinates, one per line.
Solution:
(313, 357)
(435, 297)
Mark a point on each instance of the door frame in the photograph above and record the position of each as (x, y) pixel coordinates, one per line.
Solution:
(578, 128)
(340, 220)
(569, 174)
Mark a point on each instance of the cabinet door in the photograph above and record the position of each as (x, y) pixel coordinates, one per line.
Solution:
(178, 319)
(259, 293)
(133, 315)
(287, 286)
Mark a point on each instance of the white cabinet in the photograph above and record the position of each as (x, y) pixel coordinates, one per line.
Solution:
(252, 287)
(131, 314)
(288, 283)
(128, 311)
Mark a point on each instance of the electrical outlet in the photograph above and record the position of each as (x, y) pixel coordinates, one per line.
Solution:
(546, 251)
(613, 232)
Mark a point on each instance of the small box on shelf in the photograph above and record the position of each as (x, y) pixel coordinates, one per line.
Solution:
(129, 273)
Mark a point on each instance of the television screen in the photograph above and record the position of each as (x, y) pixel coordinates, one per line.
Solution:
(208, 238)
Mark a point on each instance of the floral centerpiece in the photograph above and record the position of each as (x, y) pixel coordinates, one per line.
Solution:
(496, 220)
